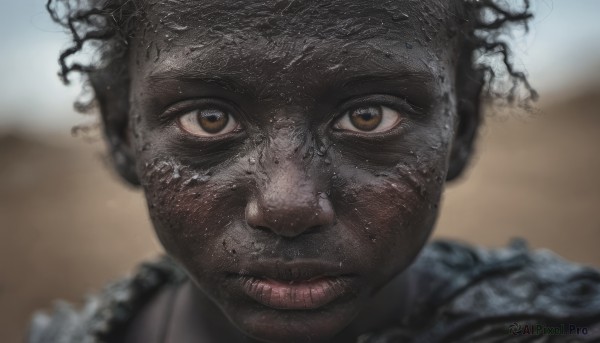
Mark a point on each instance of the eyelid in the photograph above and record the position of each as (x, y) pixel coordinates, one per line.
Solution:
(185, 125)
(399, 104)
(170, 113)
(394, 102)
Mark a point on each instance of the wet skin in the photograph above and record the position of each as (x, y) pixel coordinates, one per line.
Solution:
(291, 219)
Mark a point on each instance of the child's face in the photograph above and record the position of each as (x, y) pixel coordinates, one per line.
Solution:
(293, 162)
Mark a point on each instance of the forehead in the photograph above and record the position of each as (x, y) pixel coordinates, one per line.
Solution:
(295, 42)
(350, 19)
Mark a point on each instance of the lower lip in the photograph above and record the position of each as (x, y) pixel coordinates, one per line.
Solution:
(296, 295)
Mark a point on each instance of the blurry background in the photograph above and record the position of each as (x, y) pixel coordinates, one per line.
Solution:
(67, 224)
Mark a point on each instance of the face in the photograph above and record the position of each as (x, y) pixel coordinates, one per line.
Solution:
(293, 155)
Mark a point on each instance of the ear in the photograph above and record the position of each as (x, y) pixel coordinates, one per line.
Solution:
(113, 99)
(469, 84)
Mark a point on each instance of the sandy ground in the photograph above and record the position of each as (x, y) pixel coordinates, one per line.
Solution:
(67, 225)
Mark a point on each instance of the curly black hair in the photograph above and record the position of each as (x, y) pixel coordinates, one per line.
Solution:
(108, 25)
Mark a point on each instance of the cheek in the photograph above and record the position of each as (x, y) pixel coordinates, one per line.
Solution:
(391, 212)
(190, 211)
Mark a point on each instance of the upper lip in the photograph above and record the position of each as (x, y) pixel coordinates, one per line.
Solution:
(299, 270)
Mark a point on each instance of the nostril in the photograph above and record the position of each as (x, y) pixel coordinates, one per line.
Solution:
(314, 229)
(262, 228)
(310, 230)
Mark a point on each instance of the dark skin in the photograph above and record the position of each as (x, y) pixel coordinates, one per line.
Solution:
(307, 143)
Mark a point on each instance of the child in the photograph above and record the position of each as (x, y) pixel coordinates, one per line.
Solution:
(293, 155)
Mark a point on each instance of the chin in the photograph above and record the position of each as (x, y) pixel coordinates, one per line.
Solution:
(278, 326)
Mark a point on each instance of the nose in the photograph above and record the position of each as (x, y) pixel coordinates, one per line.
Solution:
(289, 206)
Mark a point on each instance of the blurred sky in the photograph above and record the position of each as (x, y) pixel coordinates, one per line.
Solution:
(562, 51)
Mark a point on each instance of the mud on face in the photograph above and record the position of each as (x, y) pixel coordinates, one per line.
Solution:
(305, 143)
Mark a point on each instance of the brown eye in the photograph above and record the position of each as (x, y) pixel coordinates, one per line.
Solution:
(213, 121)
(207, 122)
(368, 119)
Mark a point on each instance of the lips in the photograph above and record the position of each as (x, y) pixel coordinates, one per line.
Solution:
(295, 286)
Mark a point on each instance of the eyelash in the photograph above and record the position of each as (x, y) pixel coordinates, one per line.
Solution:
(172, 113)
(392, 101)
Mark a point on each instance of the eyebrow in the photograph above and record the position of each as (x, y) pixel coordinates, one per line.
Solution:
(420, 76)
(228, 83)
(159, 80)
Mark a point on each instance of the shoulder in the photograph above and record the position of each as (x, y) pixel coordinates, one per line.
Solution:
(472, 294)
(105, 315)
(509, 280)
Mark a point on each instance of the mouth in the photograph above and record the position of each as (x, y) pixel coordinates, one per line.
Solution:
(295, 286)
